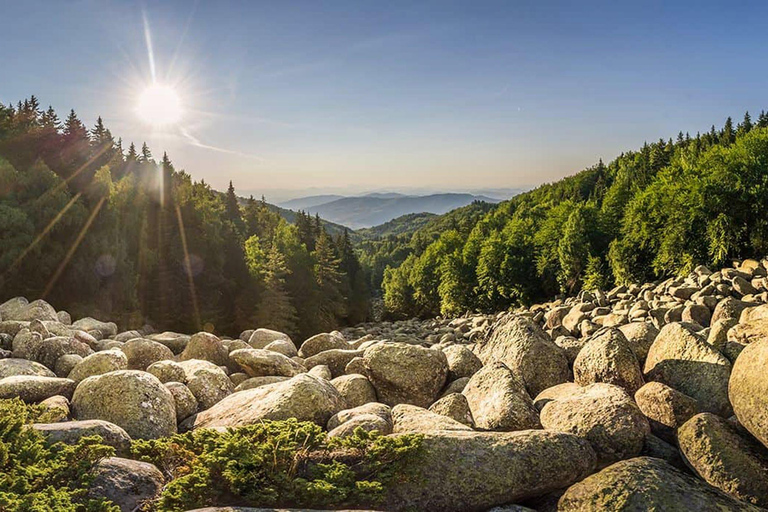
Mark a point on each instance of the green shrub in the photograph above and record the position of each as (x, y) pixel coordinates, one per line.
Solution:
(36, 476)
(279, 463)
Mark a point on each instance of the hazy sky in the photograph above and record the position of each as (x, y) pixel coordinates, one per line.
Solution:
(361, 94)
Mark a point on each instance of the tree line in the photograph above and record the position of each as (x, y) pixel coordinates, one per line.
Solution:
(649, 213)
(110, 232)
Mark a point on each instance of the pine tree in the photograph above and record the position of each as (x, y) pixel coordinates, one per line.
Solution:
(727, 134)
(762, 121)
(274, 309)
(50, 119)
(745, 126)
(573, 252)
(146, 154)
(132, 155)
(329, 280)
(232, 210)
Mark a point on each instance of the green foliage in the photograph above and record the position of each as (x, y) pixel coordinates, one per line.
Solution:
(280, 463)
(38, 477)
(650, 213)
(132, 239)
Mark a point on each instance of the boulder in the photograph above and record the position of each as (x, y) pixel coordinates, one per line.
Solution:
(571, 346)
(303, 397)
(322, 342)
(261, 363)
(748, 389)
(454, 406)
(645, 483)
(100, 362)
(525, 349)
(356, 389)
(32, 346)
(666, 408)
(367, 422)
(640, 336)
(381, 410)
(474, 471)
(127, 483)
(206, 381)
(260, 338)
(549, 394)
(15, 309)
(683, 360)
(403, 373)
(33, 388)
(603, 414)
(728, 308)
(70, 432)
(173, 340)
(183, 399)
(335, 359)
(108, 329)
(282, 346)
(207, 347)
(412, 419)
(131, 399)
(608, 358)
(321, 371)
(142, 352)
(168, 371)
(257, 382)
(719, 455)
(10, 367)
(462, 362)
(57, 408)
(498, 400)
(65, 364)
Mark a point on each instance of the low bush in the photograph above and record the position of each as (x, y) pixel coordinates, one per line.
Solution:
(39, 477)
(275, 464)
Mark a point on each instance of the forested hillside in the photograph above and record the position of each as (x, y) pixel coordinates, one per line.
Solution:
(108, 231)
(649, 213)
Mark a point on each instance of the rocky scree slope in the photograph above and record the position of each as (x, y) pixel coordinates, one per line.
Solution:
(645, 397)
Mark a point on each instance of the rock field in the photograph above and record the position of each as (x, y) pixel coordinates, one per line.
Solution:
(644, 397)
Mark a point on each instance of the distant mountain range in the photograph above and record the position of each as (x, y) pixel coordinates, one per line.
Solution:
(377, 208)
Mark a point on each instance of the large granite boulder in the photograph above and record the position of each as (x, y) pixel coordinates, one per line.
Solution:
(683, 360)
(131, 399)
(603, 414)
(716, 451)
(127, 483)
(303, 397)
(498, 400)
(608, 358)
(404, 373)
(525, 349)
(474, 471)
(646, 483)
(748, 389)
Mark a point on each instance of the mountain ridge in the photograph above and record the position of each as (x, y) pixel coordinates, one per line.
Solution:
(360, 212)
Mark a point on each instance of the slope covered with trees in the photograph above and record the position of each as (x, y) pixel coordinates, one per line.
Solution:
(111, 232)
(649, 213)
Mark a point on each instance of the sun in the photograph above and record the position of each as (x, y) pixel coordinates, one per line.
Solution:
(159, 105)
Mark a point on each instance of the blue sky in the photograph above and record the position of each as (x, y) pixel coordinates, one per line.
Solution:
(359, 95)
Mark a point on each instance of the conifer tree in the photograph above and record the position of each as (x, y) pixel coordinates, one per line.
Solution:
(728, 135)
(232, 210)
(762, 121)
(329, 280)
(745, 126)
(573, 252)
(132, 155)
(274, 309)
(146, 154)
